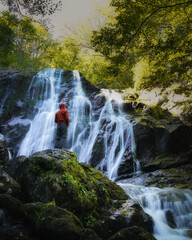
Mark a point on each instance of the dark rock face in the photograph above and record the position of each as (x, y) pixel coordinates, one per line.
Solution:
(136, 233)
(8, 185)
(4, 156)
(152, 141)
(14, 228)
(52, 222)
(179, 177)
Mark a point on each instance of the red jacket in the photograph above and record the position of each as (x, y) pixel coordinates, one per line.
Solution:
(62, 116)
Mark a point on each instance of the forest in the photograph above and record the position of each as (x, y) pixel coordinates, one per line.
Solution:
(142, 44)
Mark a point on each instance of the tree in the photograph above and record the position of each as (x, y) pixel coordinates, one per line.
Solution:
(24, 42)
(158, 31)
(32, 7)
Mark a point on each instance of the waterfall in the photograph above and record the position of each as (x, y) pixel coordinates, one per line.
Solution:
(171, 209)
(42, 128)
(118, 133)
(84, 128)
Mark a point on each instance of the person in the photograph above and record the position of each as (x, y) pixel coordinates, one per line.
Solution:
(62, 120)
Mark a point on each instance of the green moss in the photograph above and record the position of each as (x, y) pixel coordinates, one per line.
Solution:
(76, 187)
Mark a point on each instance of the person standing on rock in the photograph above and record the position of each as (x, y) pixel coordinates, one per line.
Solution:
(62, 120)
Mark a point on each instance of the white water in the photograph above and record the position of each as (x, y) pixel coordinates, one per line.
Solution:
(84, 129)
(42, 128)
(156, 202)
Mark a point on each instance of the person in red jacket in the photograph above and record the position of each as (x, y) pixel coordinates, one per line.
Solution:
(62, 120)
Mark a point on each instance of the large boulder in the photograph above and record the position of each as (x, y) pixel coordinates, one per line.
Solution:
(8, 185)
(52, 222)
(55, 174)
(167, 161)
(36, 221)
(129, 214)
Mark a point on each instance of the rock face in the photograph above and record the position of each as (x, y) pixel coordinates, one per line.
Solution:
(153, 140)
(8, 185)
(135, 233)
(4, 156)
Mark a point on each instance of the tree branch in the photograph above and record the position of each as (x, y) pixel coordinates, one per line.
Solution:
(150, 15)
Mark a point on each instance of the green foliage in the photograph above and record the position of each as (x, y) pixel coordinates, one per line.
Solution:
(23, 43)
(155, 32)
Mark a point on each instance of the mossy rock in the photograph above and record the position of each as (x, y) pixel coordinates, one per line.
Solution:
(89, 234)
(52, 222)
(166, 161)
(56, 175)
(44, 220)
(136, 233)
(130, 214)
(179, 177)
(4, 157)
(12, 204)
(8, 185)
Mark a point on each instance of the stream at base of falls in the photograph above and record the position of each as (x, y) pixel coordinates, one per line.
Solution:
(170, 208)
(110, 129)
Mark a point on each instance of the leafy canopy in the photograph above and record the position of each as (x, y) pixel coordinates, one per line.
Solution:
(155, 32)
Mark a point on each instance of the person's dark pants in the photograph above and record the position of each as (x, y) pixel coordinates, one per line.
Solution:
(61, 135)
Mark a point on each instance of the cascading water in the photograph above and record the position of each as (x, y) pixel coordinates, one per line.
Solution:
(113, 133)
(42, 128)
(171, 209)
(84, 128)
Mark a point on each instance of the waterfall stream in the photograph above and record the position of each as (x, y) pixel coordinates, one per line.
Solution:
(171, 209)
(111, 129)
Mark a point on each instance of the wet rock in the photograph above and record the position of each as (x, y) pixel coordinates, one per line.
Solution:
(4, 156)
(89, 234)
(52, 222)
(45, 220)
(126, 166)
(132, 106)
(13, 205)
(136, 233)
(16, 130)
(14, 228)
(174, 177)
(130, 214)
(154, 139)
(8, 185)
(166, 161)
(88, 87)
(170, 219)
